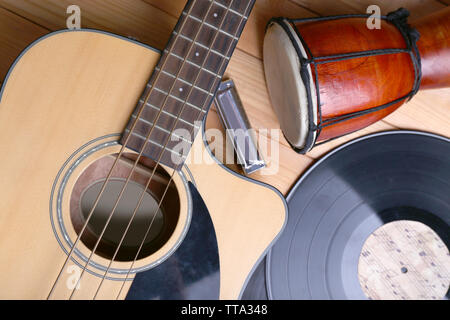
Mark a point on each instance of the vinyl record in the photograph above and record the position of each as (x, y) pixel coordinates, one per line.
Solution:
(342, 200)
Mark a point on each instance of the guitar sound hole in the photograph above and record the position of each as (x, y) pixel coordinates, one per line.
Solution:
(162, 218)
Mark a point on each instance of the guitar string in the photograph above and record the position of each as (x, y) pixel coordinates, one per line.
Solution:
(174, 171)
(171, 178)
(140, 155)
(143, 149)
(124, 146)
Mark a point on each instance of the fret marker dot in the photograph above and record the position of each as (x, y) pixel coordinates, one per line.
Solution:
(181, 89)
(197, 54)
(215, 15)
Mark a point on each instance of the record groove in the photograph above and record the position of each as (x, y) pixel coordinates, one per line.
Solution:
(341, 200)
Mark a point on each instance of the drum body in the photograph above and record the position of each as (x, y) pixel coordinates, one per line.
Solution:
(328, 77)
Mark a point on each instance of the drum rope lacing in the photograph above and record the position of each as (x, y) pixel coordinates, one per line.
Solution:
(399, 19)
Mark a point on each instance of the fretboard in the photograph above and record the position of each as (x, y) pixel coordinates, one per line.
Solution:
(182, 87)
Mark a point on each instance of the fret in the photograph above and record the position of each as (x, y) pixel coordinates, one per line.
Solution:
(207, 32)
(137, 135)
(166, 119)
(187, 85)
(175, 77)
(230, 25)
(191, 31)
(195, 52)
(170, 122)
(192, 17)
(161, 99)
(166, 144)
(151, 124)
(223, 42)
(221, 31)
(160, 91)
(184, 38)
(184, 82)
(195, 96)
(215, 16)
(211, 26)
(230, 19)
(233, 9)
(167, 156)
(162, 139)
(181, 59)
(183, 48)
(162, 127)
(180, 87)
(187, 61)
(241, 6)
(191, 73)
(169, 114)
(176, 98)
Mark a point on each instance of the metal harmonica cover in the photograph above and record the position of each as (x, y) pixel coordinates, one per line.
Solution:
(235, 121)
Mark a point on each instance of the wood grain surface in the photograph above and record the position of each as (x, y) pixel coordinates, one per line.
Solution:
(151, 22)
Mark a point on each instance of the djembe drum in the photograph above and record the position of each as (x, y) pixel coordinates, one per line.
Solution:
(330, 76)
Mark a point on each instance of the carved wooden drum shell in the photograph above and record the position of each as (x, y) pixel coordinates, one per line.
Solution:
(340, 91)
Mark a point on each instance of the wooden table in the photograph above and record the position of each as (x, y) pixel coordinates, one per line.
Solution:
(151, 22)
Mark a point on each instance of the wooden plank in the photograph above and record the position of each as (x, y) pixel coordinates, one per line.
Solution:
(321, 150)
(248, 74)
(150, 22)
(245, 68)
(249, 77)
(173, 7)
(253, 35)
(135, 19)
(427, 111)
(284, 166)
(417, 8)
(16, 34)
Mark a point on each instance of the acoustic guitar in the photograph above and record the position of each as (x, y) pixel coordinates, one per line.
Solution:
(96, 204)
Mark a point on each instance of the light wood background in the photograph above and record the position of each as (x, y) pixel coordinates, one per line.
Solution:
(151, 22)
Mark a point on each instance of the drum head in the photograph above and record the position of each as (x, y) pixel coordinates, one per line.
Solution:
(287, 91)
(343, 199)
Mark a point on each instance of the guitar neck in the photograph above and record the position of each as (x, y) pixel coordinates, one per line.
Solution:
(182, 87)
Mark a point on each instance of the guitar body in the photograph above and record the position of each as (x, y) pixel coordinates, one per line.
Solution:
(63, 106)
